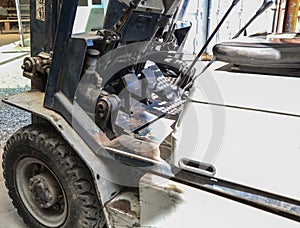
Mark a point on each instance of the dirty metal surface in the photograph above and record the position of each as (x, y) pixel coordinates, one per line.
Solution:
(135, 146)
(124, 209)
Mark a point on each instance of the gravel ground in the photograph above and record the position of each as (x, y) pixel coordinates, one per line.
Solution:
(11, 82)
(11, 119)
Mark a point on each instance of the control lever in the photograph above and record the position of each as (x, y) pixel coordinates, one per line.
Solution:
(266, 4)
(233, 4)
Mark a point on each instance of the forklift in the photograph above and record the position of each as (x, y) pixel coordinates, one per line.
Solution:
(129, 130)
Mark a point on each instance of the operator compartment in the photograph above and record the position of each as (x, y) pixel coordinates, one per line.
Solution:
(133, 104)
(122, 81)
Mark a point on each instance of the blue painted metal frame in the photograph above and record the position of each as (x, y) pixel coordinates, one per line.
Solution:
(63, 34)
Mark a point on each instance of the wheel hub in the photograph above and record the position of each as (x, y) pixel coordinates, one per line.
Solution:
(44, 190)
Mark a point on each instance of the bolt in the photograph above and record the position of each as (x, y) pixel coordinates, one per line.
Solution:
(27, 66)
(100, 106)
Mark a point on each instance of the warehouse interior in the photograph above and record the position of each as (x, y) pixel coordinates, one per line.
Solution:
(204, 15)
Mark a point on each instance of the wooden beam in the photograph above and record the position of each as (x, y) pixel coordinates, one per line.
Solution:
(291, 16)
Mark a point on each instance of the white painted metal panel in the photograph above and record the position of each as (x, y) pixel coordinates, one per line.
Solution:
(256, 149)
(168, 204)
(255, 141)
(266, 92)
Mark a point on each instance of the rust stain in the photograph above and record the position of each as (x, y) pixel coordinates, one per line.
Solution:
(55, 118)
(136, 146)
(124, 206)
(291, 16)
(175, 189)
(101, 138)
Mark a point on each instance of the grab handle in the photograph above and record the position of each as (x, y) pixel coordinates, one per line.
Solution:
(197, 167)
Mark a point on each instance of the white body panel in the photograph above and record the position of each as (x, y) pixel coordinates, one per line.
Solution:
(166, 204)
(258, 91)
(257, 148)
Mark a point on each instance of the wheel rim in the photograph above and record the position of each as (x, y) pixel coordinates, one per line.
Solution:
(41, 192)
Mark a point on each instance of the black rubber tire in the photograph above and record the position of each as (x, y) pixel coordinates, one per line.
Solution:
(44, 143)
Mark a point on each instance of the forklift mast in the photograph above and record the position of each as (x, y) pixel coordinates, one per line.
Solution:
(44, 20)
(44, 17)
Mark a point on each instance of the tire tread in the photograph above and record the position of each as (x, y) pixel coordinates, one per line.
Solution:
(76, 172)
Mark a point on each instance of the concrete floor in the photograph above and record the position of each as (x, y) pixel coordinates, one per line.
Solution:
(8, 214)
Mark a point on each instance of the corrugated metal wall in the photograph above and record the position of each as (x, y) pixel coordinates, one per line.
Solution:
(243, 11)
